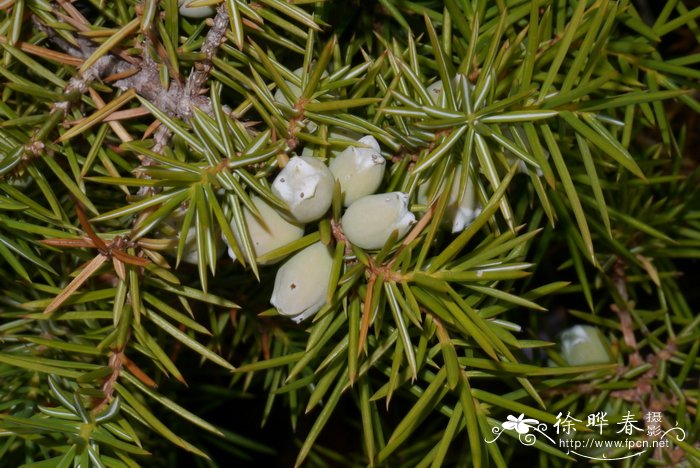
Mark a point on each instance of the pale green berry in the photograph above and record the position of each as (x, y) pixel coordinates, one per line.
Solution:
(582, 345)
(302, 282)
(462, 207)
(306, 186)
(190, 251)
(335, 133)
(296, 90)
(268, 232)
(369, 222)
(435, 91)
(436, 88)
(194, 12)
(190, 254)
(340, 133)
(21, 182)
(359, 170)
(509, 133)
(465, 208)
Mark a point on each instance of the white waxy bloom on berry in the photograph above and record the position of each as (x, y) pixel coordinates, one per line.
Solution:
(582, 345)
(359, 170)
(436, 88)
(296, 90)
(369, 221)
(335, 133)
(306, 186)
(435, 91)
(302, 282)
(21, 182)
(194, 12)
(509, 132)
(267, 233)
(462, 207)
(190, 254)
(190, 251)
(340, 133)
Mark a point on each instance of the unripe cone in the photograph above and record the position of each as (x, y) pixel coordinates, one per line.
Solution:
(359, 170)
(194, 12)
(369, 221)
(509, 132)
(269, 232)
(335, 133)
(302, 282)
(435, 91)
(21, 182)
(190, 252)
(306, 186)
(296, 90)
(582, 345)
(436, 88)
(461, 210)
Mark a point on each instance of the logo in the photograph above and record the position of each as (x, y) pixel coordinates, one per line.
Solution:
(597, 438)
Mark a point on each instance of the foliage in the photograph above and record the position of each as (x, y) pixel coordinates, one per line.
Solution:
(125, 126)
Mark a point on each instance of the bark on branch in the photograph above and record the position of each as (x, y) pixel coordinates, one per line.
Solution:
(177, 100)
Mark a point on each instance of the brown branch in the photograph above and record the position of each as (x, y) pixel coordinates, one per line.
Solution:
(175, 101)
(620, 282)
(104, 66)
(162, 138)
(215, 37)
(339, 235)
(179, 100)
(115, 363)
